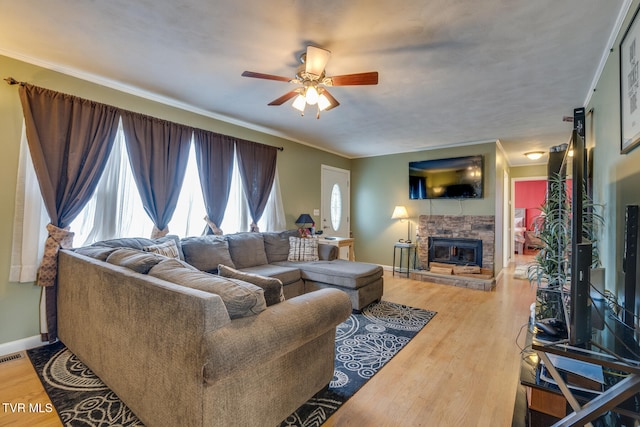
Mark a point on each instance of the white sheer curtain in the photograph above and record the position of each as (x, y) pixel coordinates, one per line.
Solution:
(29, 226)
(29, 221)
(237, 216)
(115, 210)
(188, 218)
(273, 218)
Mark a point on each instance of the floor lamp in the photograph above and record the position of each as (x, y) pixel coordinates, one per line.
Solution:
(400, 212)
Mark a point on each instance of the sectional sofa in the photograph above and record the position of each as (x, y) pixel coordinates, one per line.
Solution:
(210, 331)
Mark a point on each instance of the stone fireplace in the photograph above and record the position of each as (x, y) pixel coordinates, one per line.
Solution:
(462, 240)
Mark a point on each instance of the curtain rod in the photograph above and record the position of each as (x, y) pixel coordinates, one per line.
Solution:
(12, 81)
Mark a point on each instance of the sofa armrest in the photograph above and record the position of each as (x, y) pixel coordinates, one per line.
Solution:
(276, 331)
(328, 252)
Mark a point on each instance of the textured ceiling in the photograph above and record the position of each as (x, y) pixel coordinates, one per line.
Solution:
(452, 72)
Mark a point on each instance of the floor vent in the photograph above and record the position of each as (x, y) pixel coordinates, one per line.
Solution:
(10, 357)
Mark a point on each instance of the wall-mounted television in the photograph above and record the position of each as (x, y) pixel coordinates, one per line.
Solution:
(450, 178)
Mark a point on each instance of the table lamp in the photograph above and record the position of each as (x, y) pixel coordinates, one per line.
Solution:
(400, 212)
(304, 223)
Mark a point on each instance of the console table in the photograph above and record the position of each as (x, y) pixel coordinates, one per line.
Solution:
(614, 347)
(340, 242)
(407, 249)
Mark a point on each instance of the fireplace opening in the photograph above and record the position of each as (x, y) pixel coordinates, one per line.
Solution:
(456, 251)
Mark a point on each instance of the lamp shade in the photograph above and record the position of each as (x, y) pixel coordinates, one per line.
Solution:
(400, 212)
(305, 221)
(299, 103)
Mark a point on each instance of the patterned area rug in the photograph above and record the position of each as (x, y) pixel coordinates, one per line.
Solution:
(364, 344)
(80, 397)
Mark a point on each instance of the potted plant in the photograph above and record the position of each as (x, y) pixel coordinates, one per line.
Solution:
(550, 270)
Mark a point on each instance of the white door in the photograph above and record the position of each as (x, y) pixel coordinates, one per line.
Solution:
(334, 217)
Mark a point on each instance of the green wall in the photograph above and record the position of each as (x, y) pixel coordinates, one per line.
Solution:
(382, 182)
(616, 176)
(528, 171)
(19, 302)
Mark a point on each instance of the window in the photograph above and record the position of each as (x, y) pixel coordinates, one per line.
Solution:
(336, 207)
(116, 210)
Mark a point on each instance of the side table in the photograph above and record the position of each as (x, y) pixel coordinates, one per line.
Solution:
(408, 250)
(340, 242)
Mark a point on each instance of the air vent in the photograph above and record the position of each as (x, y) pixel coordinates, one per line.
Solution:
(10, 357)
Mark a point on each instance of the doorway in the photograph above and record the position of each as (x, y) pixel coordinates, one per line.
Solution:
(527, 194)
(334, 205)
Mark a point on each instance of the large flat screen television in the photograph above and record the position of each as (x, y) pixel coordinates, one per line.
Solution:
(451, 178)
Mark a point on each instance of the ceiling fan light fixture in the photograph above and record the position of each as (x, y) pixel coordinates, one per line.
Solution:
(299, 103)
(312, 95)
(323, 102)
(311, 77)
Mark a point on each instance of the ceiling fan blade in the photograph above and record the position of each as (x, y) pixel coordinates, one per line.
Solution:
(265, 76)
(316, 60)
(284, 98)
(333, 103)
(370, 78)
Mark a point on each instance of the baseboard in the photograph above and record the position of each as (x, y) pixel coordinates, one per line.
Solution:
(21, 345)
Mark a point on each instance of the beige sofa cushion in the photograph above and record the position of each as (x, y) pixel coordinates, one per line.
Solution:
(276, 244)
(138, 261)
(98, 252)
(247, 249)
(168, 249)
(139, 242)
(240, 298)
(206, 252)
(287, 275)
(272, 286)
(340, 272)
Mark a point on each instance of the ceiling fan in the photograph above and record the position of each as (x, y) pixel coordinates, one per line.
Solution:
(314, 82)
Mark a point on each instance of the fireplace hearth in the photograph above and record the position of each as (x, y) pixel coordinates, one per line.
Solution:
(456, 251)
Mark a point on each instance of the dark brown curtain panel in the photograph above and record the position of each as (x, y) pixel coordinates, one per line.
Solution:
(257, 163)
(69, 140)
(158, 154)
(214, 154)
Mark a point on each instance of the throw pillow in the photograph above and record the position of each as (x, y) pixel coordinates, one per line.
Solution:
(134, 259)
(240, 299)
(97, 252)
(168, 249)
(206, 252)
(302, 249)
(272, 286)
(139, 242)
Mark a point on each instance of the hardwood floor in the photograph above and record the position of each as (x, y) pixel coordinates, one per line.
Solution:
(461, 369)
(24, 401)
